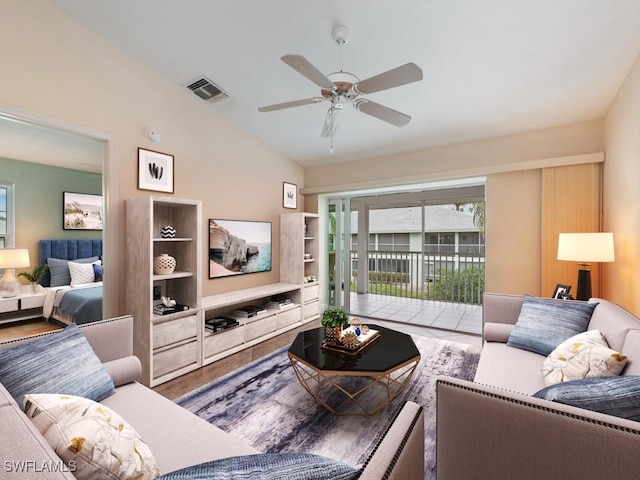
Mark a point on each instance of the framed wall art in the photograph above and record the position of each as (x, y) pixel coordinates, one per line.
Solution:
(82, 211)
(155, 171)
(290, 195)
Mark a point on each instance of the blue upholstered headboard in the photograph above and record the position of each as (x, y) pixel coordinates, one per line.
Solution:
(67, 250)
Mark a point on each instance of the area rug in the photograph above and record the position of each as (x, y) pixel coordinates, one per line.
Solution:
(264, 405)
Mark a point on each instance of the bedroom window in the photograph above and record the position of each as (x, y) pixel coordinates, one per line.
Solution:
(7, 220)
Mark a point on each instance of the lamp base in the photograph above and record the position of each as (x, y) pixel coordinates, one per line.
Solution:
(9, 285)
(584, 284)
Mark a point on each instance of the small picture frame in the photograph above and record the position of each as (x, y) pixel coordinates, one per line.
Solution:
(561, 292)
(155, 171)
(289, 195)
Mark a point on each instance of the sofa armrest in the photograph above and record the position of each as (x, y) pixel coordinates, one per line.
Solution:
(496, 332)
(485, 432)
(399, 454)
(124, 370)
(111, 338)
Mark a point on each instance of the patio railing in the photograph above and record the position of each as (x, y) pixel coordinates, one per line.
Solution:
(445, 276)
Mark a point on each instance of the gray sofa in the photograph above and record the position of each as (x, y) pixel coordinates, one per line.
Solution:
(176, 437)
(492, 428)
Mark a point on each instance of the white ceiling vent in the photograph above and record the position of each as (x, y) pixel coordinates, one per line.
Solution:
(206, 89)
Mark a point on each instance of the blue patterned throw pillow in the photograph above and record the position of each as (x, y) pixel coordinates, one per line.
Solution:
(267, 466)
(61, 362)
(618, 396)
(544, 324)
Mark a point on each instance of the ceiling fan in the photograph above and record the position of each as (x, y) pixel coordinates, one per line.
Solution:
(341, 87)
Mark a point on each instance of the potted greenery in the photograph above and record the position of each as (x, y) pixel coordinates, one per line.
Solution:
(34, 275)
(333, 319)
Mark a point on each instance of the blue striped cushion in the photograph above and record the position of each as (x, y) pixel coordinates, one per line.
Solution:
(544, 323)
(618, 396)
(267, 466)
(62, 362)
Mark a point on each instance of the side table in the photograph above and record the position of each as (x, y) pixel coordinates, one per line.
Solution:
(23, 306)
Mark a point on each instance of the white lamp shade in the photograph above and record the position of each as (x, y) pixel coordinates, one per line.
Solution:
(14, 258)
(586, 247)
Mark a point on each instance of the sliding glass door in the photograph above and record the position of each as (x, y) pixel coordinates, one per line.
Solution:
(339, 254)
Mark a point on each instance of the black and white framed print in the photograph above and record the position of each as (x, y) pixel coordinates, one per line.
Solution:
(290, 195)
(155, 171)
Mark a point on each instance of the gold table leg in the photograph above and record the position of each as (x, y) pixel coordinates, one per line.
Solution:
(394, 382)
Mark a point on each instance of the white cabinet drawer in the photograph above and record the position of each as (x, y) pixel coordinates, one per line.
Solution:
(174, 331)
(310, 293)
(32, 301)
(259, 328)
(219, 342)
(287, 317)
(8, 305)
(311, 309)
(175, 358)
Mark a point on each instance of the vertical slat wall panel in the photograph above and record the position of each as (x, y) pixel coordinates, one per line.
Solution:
(571, 202)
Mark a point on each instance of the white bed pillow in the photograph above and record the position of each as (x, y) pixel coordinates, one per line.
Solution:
(82, 272)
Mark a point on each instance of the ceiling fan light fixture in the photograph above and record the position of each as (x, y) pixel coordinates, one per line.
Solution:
(331, 121)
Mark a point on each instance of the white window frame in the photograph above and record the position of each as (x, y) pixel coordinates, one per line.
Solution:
(10, 236)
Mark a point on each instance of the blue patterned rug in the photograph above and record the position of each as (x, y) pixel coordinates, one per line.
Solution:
(264, 404)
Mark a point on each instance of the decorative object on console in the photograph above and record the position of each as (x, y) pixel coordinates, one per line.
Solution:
(561, 291)
(10, 259)
(155, 171)
(289, 195)
(585, 248)
(164, 264)
(168, 232)
(238, 246)
(34, 275)
(82, 211)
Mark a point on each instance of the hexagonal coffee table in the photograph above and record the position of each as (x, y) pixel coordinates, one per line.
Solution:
(361, 384)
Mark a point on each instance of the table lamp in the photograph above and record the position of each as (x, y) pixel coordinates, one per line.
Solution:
(10, 259)
(585, 248)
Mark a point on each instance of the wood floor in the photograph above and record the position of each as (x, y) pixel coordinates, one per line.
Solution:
(9, 331)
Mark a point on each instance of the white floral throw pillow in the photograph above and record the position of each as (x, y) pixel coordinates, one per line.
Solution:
(586, 355)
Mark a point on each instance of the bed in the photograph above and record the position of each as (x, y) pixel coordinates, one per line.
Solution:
(79, 303)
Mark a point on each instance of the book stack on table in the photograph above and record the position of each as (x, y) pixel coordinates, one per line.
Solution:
(250, 311)
(280, 303)
(220, 324)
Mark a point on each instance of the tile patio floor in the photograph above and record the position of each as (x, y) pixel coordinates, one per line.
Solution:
(451, 318)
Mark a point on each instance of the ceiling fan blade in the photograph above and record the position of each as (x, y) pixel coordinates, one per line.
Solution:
(332, 120)
(294, 103)
(381, 112)
(304, 67)
(396, 77)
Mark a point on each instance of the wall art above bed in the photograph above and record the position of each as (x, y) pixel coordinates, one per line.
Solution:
(82, 211)
(237, 247)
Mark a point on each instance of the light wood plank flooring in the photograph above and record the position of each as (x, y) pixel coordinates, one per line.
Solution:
(9, 331)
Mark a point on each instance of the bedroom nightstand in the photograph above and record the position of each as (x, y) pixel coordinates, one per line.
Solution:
(23, 306)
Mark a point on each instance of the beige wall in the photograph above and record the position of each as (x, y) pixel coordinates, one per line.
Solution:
(470, 159)
(55, 67)
(621, 279)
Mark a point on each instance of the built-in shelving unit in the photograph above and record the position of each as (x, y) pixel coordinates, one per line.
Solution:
(167, 345)
(250, 331)
(299, 247)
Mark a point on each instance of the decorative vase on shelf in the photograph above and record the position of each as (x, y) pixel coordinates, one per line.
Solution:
(164, 264)
(168, 232)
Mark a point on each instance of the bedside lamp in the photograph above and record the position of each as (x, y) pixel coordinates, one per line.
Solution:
(585, 248)
(11, 258)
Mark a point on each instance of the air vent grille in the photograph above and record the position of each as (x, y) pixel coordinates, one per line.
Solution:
(206, 90)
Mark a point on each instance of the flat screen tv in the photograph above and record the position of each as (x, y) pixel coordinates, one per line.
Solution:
(238, 246)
